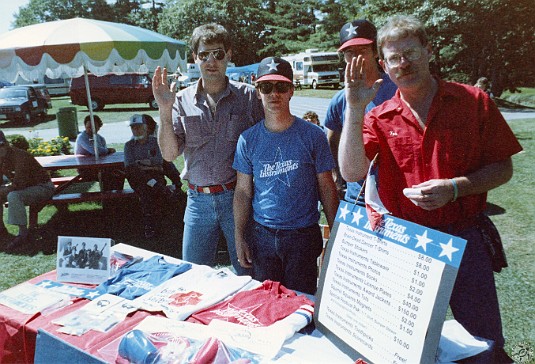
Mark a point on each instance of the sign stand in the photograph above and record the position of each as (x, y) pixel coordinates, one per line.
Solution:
(383, 294)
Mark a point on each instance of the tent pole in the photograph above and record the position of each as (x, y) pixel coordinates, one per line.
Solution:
(90, 107)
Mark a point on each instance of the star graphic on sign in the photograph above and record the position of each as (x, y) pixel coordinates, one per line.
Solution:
(272, 66)
(448, 249)
(45, 284)
(356, 217)
(351, 30)
(343, 212)
(423, 240)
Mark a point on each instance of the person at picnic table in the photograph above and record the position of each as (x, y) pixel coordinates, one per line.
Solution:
(312, 117)
(169, 168)
(284, 168)
(28, 183)
(111, 179)
(358, 37)
(203, 122)
(144, 171)
(445, 142)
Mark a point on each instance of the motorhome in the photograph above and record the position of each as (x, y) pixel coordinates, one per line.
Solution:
(313, 68)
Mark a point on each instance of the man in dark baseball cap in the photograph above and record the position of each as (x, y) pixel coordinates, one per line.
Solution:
(283, 165)
(357, 32)
(357, 38)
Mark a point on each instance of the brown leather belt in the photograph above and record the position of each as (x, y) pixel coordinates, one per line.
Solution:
(214, 188)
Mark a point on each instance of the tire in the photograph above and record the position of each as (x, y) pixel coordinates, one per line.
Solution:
(314, 85)
(26, 117)
(153, 104)
(97, 104)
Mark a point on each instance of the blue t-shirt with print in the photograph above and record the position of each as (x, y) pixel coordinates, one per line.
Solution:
(334, 120)
(284, 166)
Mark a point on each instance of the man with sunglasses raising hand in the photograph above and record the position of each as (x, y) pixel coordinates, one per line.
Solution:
(204, 122)
(284, 168)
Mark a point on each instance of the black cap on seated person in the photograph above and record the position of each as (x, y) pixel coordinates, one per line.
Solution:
(357, 32)
(274, 69)
(3, 139)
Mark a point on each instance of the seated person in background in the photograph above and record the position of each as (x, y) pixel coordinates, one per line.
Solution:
(144, 171)
(169, 169)
(28, 184)
(484, 84)
(284, 168)
(111, 180)
(312, 117)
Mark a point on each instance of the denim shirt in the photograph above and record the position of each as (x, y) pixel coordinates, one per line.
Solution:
(209, 141)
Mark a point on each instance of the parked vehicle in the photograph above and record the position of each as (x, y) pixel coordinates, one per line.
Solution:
(128, 88)
(57, 86)
(312, 68)
(24, 103)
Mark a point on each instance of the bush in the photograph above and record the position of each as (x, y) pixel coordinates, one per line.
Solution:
(57, 146)
(19, 141)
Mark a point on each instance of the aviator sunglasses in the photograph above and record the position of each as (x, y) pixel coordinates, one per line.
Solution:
(218, 54)
(267, 87)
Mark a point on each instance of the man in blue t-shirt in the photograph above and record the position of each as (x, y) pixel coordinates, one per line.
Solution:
(356, 38)
(284, 168)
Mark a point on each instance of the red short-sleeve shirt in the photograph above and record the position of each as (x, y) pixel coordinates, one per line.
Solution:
(465, 131)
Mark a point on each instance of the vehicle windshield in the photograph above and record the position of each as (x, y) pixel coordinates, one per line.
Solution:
(323, 67)
(7, 93)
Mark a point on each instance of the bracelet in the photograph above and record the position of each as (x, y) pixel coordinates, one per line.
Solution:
(455, 190)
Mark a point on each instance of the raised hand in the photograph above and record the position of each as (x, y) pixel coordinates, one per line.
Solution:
(160, 88)
(357, 92)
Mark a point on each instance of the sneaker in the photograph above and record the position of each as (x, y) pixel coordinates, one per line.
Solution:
(149, 232)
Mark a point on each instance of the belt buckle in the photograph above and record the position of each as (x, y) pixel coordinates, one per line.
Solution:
(206, 190)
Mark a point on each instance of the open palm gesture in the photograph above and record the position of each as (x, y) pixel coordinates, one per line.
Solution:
(357, 91)
(160, 87)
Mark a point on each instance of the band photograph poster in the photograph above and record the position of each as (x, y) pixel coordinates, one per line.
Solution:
(384, 292)
(83, 259)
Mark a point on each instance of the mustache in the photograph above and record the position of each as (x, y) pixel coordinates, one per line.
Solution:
(404, 72)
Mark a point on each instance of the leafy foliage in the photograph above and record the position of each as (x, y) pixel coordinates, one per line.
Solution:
(57, 146)
(493, 38)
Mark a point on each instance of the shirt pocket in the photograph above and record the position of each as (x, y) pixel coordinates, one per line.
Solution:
(402, 148)
(194, 130)
(237, 124)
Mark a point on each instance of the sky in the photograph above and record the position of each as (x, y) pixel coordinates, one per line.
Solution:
(7, 9)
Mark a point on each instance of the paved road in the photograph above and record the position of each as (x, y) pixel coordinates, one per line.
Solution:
(120, 132)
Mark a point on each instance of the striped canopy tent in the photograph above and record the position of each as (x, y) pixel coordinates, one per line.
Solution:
(74, 47)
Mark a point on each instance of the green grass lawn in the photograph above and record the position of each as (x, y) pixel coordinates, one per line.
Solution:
(512, 207)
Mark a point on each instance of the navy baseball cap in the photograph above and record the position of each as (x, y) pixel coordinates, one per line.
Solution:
(137, 119)
(357, 32)
(274, 69)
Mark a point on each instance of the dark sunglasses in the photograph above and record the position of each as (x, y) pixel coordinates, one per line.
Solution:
(280, 87)
(218, 54)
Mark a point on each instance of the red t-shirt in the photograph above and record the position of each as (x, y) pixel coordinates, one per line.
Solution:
(465, 131)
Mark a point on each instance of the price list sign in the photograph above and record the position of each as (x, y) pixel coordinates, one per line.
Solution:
(383, 294)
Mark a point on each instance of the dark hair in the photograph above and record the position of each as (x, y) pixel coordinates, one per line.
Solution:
(97, 119)
(209, 34)
(150, 122)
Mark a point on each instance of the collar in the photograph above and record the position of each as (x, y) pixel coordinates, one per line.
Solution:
(199, 94)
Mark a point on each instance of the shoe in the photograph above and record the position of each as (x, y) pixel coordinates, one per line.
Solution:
(149, 232)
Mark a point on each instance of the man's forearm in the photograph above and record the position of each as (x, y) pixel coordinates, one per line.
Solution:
(351, 154)
(167, 139)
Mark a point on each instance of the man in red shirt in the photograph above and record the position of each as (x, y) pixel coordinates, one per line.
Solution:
(441, 147)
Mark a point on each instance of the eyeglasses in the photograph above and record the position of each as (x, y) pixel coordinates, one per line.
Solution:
(411, 55)
(218, 54)
(267, 87)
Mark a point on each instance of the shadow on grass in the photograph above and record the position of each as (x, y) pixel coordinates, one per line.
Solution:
(511, 106)
(118, 220)
(493, 209)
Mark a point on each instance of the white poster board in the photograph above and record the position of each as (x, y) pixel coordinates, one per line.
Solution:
(83, 259)
(383, 294)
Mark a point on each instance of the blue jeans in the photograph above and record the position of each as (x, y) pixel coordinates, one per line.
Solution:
(474, 301)
(206, 215)
(286, 256)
